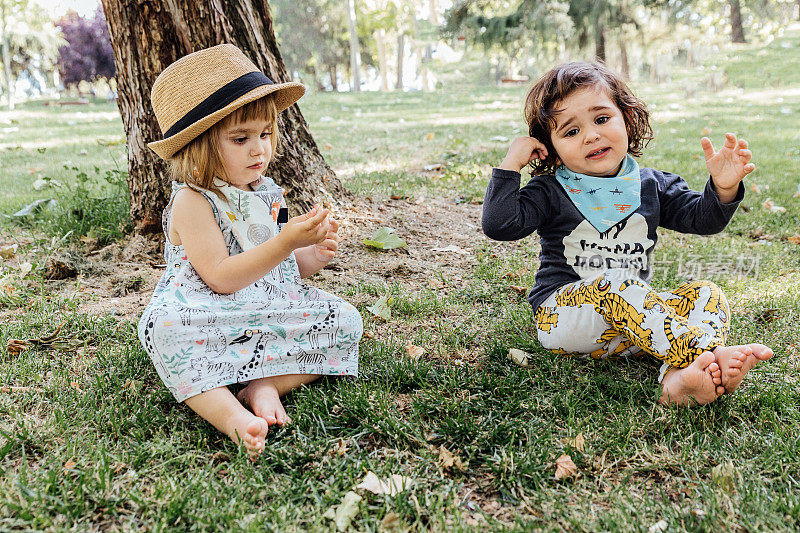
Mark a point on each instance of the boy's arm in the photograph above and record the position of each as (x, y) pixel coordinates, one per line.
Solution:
(511, 213)
(689, 211)
(508, 212)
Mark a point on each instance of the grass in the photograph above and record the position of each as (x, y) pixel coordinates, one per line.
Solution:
(93, 439)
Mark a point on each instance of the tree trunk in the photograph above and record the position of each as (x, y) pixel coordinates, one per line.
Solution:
(401, 51)
(334, 79)
(623, 57)
(600, 42)
(355, 53)
(149, 35)
(7, 81)
(383, 62)
(737, 31)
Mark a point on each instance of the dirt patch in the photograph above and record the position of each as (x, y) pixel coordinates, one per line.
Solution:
(442, 237)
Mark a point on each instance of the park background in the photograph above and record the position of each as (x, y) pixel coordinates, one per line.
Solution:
(89, 438)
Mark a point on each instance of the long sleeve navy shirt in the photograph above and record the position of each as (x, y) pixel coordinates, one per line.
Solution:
(572, 249)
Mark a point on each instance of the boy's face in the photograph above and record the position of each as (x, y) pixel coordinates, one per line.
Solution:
(590, 135)
(246, 148)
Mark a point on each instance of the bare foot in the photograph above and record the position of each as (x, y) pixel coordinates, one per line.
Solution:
(695, 384)
(742, 359)
(263, 398)
(251, 431)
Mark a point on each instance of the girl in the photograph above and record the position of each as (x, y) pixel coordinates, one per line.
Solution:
(596, 213)
(230, 307)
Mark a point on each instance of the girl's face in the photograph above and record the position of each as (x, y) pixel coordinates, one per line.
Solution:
(590, 135)
(246, 148)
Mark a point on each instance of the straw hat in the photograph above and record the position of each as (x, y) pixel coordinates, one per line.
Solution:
(202, 88)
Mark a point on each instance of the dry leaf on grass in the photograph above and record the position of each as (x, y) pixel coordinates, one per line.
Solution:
(429, 136)
(451, 248)
(345, 511)
(516, 274)
(770, 206)
(520, 289)
(448, 460)
(413, 351)
(726, 476)
(391, 485)
(565, 468)
(755, 188)
(435, 284)
(8, 251)
(794, 239)
(381, 308)
(519, 357)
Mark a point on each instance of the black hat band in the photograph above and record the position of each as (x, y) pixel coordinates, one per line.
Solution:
(219, 99)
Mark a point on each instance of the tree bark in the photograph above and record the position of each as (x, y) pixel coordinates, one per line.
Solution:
(383, 62)
(147, 36)
(737, 31)
(7, 82)
(600, 42)
(623, 57)
(355, 52)
(401, 50)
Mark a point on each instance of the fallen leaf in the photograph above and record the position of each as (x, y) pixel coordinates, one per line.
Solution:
(580, 443)
(725, 476)
(397, 196)
(516, 273)
(340, 448)
(451, 248)
(658, 527)
(706, 131)
(414, 352)
(391, 486)
(8, 251)
(328, 146)
(25, 269)
(429, 136)
(432, 168)
(769, 205)
(369, 334)
(385, 239)
(447, 460)
(519, 357)
(391, 522)
(69, 465)
(767, 315)
(382, 308)
(346, 511)
(755, 188)
(520, 289)
(794, 239)
(565, 468)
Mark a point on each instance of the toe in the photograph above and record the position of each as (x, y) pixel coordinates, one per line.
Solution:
(720, 390)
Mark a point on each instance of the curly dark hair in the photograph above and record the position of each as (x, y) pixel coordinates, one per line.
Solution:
(558, 84)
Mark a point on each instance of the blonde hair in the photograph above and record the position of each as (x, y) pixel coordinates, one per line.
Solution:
(200, 161)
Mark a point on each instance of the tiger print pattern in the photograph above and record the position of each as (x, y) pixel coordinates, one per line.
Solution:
(616, 314)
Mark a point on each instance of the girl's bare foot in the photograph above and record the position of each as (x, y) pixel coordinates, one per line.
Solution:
(695, 384)
(263, 398)
(741, 359)
(251, 431)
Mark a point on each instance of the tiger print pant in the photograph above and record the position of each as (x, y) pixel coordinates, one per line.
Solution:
(617, 314)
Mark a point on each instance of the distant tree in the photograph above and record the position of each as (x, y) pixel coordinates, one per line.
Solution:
(29, 41)
(88, 54)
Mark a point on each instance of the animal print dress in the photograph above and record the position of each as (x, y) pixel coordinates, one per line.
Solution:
(199, 340)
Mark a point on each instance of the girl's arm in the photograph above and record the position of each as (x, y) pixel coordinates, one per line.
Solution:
(193, 221)
(312, 259)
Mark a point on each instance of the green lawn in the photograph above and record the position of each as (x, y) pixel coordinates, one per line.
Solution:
(89, 437)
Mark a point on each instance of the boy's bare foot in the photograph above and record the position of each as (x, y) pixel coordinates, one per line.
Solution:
(698, 383)
(739, 360)
(251, 431)
(263, 398)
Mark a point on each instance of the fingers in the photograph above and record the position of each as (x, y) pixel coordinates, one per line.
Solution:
(730, 141)
(708, 148)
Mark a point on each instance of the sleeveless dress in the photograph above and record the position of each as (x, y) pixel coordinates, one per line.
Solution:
(199, 339)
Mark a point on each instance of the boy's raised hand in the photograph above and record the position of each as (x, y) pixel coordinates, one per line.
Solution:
(730, 164)
(522, 151)
(306, 229)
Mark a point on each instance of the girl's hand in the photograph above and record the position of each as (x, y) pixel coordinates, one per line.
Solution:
(522, 151)
(729, 165)
(326, 250)
(306, 229)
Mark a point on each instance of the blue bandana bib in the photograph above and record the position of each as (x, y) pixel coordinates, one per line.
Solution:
(604, 202)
